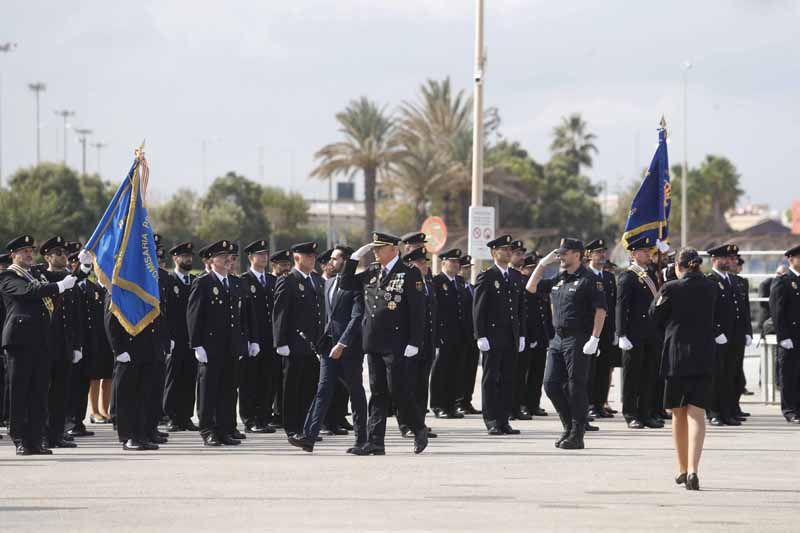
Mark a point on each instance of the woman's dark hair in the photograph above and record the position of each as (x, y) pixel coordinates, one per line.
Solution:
(688, 258)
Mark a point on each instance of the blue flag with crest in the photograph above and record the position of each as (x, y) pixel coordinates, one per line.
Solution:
(124, 252)
(649, 214)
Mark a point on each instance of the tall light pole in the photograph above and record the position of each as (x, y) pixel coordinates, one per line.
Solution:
(37, 87)
(65, 114)
(5, 47)
(99, 145)
(685, 171)
(477, 112)
(83, 133)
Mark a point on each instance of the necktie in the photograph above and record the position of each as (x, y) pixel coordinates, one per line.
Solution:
(225, 283)
(310, 282)
(185, 280)
(426, 287)
(505, 276)
(263, 281)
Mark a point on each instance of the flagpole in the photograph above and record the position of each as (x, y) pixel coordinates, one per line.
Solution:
(685, 170)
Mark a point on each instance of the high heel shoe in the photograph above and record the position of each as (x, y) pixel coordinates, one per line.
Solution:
(681, 479)
(692, 482)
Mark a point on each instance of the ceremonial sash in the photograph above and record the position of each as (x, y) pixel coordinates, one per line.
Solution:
(642, 275)
(21, 272)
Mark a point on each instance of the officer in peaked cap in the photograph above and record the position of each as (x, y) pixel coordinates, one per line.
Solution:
(393, 332)
(326, 269)
(471, 354)
(446, 387)
(412, 241)
(515, 265)
(784, 304)
(579, 310)
(539, 331)
(745, 318)
(500, 334)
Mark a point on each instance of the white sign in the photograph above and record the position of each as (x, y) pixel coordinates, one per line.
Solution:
(481, 231)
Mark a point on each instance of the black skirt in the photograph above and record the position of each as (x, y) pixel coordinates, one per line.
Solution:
(688, 390)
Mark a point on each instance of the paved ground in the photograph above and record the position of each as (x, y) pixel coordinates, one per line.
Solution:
(465, 481)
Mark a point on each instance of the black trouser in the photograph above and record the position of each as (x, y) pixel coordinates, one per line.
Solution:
(28, 381)
(274, 387)
(789, 362)
(535, 378)
(346, 370)
(445, 384)
(79, 394)
(58, 397)
(134, 385)
(740, 381)
(3, 388)
(155, 403)
(565, 375)
(337, 410)
(723, 382)
(468, 371)
(598, 377)
(419, 378)
(522, 366)
(255, 393)
(639, 380)
(497, 386)
(390, 374)
(300, 378)
(216, 393)
(180, 385)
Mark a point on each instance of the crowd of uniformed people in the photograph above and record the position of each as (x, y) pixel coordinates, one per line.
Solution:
(282, 345)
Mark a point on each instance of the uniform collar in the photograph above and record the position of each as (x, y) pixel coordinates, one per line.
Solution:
(503, 271)
(597, 272)
(305, 276)
(258, 274)
(390, 265)
(221, 279)
(448, 276)
(795, 272)
(723, 275)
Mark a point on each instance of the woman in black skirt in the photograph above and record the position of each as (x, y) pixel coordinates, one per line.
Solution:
(685, 310)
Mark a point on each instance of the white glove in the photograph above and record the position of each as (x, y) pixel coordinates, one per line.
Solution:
(748, 340)
(86, 268)
(625, 344)
(550, 258)
(590, 348)
(787, 344)
(253, 348)
(534, 344)
(521, 347)
(84, 257)
(662, 246)
(66, 283)
(282, 350)
(721, 339)
(124, 357)
(201, 355)
(483, 344)
(361, 252)
(171, 346)
(77, 355)
(411, 351)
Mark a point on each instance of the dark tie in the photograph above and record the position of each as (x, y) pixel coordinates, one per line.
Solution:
(225, 284)
(426, 287)
(310, 282)
(185, 280)
(263, 280)
(384, 273)
(505, 276)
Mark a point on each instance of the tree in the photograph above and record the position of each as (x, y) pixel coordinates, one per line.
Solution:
(286, 212)
(244, 194)
(177, 219)
(574, 143)
(370, 147)
(224, 220)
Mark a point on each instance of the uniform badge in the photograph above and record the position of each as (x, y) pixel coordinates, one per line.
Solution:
(444, 286)
(176, 290)
(600, 286)
(496, 284)
(392, 306)
(301, 287)
(215, 291)
(373, 280)
(240, 304)
(660, 299)
(419, 286)
(97, 296)
(387, 296)
(794, 285)
(252, 289)
(398, 298)
(721, 286)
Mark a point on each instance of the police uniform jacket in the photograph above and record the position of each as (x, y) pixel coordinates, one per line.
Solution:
(497, 307)
(394, 307)
(467, 292)
(259, 299)
(66, 323)
(610, 289)
(96, 349)
(27, 315)
(784, 304)
(633, 303)
(432, 337)
(162, 326)
(450, 310)
(215, 317)
(729, 311)
(574, 297)
(745, 320)
(177, 303)
(299, 307)
(142, 346)
(685, 310)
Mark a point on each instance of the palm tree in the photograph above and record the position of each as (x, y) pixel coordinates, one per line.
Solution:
(573, 141)
(370, 146)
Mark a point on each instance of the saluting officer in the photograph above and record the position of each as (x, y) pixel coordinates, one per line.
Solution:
(298, 322)
(500, 335)
(639, 338)
(181, 380)
(784, 305)
(579, 310)
(445, 385)
(255, 383)
(393, 332)
(470, 356)
(28, 301)
(730, 334)
(218, 334)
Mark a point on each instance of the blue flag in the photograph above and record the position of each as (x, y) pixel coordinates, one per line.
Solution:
(649, 214)
(125, 253)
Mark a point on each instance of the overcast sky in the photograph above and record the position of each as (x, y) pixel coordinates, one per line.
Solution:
(244, 74)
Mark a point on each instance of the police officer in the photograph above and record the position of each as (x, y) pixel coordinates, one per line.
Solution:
(639, 338)
(470, 354)
(539, 327)
(579, 310)
(218, 334)
(156, 401)
(599, 381)
(731, 334)
(746, 319)
(784, 304)
(255, 379)
(181, 371)
(298, 322)
(522, 360)
(5, 261)
(500, 335)
(28, 301)
(445, 385)
(393, 332)
(281, 264)
(413, 241)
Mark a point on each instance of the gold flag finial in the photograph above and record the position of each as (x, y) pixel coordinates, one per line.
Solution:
(663, 124)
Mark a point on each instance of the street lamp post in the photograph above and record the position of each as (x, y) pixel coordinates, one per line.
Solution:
(37, 87)
(99, 145)
(685, 171)
(65, 114)
(477, 111)
(83, 133)
(5, 47)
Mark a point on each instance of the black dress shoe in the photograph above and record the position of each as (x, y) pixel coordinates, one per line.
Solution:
(539, 412)
(318, 439)
(336, 431)
(369, 449)
(238, 435)
(421, 441)
(731, 422)
(41, 450)
(635, 424)
(589, 427)
(80, 431)
(692, 482)
(407, 433)
(352, 450)
(149, 446)
(61, 444)
(131, 445)
(258, 429)
(470, 410)
(681, 479)
(307, 445)
(229, 440)
(740, 418)
(508, 430)
(174, 427)
(495, 432)
(663, 415)
(190, 426)
(67, 437)
(431, 434)
(162, 434)
(275, 425)
(24, 450)
(456, 414)
(794, 420)
(716, 421)
(610, 410)
(157, 439)
(652, 423)
(211, 440)
(522, 416)
(345, 424)
(744, 414)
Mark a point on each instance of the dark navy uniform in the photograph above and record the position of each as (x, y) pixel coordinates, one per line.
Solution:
(539, 331)
(745, 319)
(181, 379)
(599, 382)
(471, 355)
(445, 387)
(784, 304)
(156, 404)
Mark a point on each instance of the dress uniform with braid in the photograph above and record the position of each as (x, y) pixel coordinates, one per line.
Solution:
(784, 304)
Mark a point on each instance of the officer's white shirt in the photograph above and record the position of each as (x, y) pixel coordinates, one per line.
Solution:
(723, 275)
(503, 270)
(795, 272)
(597, 272)
(184, 277)
(220, 278)
(390, 265)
